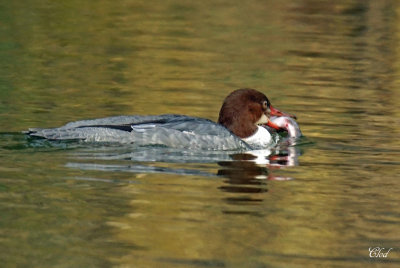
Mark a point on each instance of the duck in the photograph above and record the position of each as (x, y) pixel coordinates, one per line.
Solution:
(246, 120)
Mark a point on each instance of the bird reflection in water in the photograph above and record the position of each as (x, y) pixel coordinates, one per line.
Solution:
(248, 172)
(247, 176)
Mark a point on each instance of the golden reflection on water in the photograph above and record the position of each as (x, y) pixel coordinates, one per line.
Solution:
(334, 64)
(145, 56)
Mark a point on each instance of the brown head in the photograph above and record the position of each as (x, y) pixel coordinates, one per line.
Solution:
(244, 109)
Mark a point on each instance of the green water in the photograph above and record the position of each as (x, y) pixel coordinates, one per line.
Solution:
(335, 64)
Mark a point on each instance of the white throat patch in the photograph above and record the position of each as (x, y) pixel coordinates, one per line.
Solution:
(263, 120)
(261, 138)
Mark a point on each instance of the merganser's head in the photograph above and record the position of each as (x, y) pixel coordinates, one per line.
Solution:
(244, 109)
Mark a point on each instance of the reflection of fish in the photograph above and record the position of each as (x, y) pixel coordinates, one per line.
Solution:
(239, 126)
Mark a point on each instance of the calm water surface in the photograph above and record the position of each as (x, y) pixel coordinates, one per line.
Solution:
(335, 64)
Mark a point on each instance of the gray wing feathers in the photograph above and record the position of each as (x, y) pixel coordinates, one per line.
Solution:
(167, 130)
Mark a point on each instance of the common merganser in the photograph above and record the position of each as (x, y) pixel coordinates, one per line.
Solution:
(241, 124)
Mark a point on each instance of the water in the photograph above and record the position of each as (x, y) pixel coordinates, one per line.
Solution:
(333, 64)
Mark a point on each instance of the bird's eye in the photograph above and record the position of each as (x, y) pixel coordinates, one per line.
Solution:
(265, 105)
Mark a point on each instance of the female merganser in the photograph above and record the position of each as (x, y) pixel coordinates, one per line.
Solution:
(241, 125)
